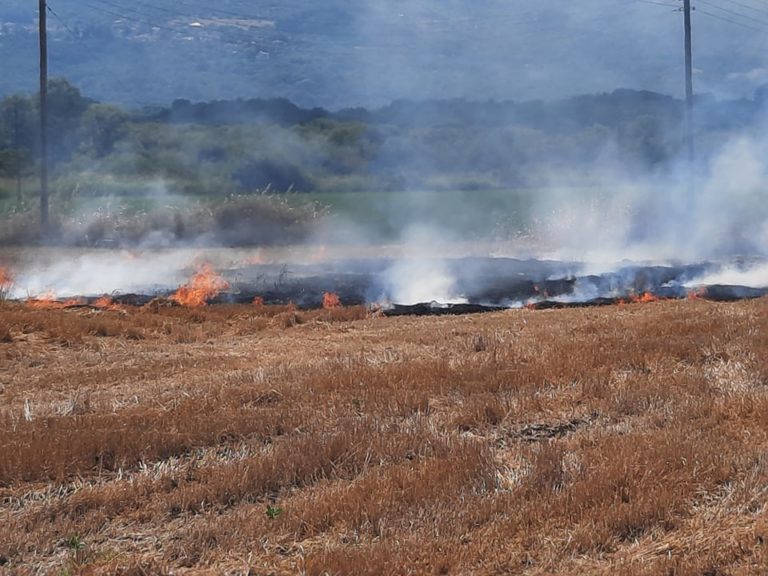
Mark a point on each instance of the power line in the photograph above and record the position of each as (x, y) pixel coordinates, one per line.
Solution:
(743, 5)
(732, 12)
(125, 17)
(142, 17)
(705, 13)
(159, 8)
(124, 9)
(208, 9)
(55, 15)
(657, 3)
(763, 2)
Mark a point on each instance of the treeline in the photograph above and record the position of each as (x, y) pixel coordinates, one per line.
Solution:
(244, 146)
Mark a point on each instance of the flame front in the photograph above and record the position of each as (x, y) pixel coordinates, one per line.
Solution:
(645, 298)
(6, 280)
(204, 285)
(697, 293)
(108, 304)
(49, 301)
(331, 300)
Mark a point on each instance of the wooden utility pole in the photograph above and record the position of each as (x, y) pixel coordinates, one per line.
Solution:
(43, 18)
(689, 84)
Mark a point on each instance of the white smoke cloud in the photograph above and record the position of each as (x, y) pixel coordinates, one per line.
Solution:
(95, 273)
(721, 213)
(755, 276)
(421, 274)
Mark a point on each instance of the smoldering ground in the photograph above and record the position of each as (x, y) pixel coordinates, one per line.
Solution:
(631, 231)
(597, 211)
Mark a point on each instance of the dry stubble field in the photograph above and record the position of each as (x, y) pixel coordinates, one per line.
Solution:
(623, 440)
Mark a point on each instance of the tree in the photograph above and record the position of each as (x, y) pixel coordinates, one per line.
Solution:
(66, 107)
(104, 126)
(17, 163)
(19, 129)
(276, 175)
(19, 123)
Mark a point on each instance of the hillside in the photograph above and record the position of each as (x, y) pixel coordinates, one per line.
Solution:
(359, 53)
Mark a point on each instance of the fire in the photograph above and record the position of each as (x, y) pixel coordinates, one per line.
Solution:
(645, 298)
(204, 285)
(106, 303)
(697, 293)
(256, 259)
(6, 280)
(320, 254)
(103, 302)
(331, 300)
(48, 301)
(258, 301)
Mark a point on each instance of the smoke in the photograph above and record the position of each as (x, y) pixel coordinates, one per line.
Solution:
(567, 188)
(718, 213)
(66, 274)
(604, 239)
(421, 273)
(751, 275)
(422, 49)
(730, 215)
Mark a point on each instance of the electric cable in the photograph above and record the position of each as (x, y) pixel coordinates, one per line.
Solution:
(705, 13)
(732, 12)
(60, 20)
(131, 18)
(743, 5)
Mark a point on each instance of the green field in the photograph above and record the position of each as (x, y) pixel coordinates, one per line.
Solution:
(465, 214)
(374, 216)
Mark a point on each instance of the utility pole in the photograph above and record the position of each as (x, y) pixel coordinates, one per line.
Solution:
(689, 85)
(43, 18)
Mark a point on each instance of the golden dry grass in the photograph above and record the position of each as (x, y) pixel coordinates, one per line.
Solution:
(261, 440)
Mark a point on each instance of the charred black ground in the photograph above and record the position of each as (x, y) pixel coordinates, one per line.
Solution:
(479, 284)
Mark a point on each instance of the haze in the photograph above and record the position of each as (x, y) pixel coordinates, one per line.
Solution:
(368, 53)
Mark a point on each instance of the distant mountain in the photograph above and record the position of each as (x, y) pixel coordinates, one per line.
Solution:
(366, 52)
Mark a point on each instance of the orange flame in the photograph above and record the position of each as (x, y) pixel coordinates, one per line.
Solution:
(645, 298)
(258, 301)
(48, 301)
(103, 302)
(203, 286)
(106, 303)
(697, 293)
(256, 258)
(320, 254)
(6, 280)
(331, 300)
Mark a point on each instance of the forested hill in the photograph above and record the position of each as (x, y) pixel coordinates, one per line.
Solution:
(612, 109)
(240, 146)
(343, 53)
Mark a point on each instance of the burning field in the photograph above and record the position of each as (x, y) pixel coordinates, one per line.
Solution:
(279, 429)
(393, 284)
